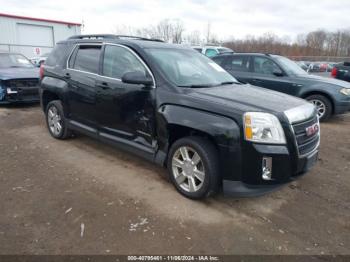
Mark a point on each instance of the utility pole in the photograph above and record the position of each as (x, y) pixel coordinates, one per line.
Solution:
(208, 32)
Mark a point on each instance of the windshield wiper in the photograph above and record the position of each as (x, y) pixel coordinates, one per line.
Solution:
(228, 83)
(197, 86)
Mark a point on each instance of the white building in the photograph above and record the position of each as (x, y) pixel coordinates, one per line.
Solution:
(33, 37)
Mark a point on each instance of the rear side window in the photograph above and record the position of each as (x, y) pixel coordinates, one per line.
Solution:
(220, 60)
(58, 55)
(237, 63)
(87, 59)
(118, 60)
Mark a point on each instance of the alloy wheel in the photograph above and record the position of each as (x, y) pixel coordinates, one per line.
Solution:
(188, 169)
(320, 106)
(54, 120)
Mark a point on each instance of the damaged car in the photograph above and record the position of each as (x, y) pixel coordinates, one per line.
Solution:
(19, 79)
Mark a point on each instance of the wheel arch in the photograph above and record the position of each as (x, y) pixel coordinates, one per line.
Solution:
(328, 96)
(48, 96)
(222, 131)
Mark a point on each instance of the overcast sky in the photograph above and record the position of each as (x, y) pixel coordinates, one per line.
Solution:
(228, 18)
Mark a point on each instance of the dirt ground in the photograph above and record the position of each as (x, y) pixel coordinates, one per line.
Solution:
(83, 197)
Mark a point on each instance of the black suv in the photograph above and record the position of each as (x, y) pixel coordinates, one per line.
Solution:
(330, 96)
(176, 107)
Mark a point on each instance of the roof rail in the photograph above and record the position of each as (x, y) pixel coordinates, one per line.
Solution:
(111, 36)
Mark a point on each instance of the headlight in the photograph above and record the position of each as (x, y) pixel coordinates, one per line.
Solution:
(263, 128)
(2, 93)
(345, 91)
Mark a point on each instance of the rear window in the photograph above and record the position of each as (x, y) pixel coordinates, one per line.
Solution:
(58, 55)
(87, 59)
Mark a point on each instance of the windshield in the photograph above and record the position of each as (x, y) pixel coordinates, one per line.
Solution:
(188, 68)
(14, 60)
(290, 66)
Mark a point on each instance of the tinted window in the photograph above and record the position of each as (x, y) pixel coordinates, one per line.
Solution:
(220, 60)
(264, 65)
(87, 59)
(210, 52)
(237, 63)
(57, 56)
(119, 60)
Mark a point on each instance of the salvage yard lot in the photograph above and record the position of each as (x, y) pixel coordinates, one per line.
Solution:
(83, 197)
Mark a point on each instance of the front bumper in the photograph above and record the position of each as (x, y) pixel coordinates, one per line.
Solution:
(27, 96)
(285, 169)
(342, 107)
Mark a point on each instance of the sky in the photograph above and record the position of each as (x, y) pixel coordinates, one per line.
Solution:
(228, 18)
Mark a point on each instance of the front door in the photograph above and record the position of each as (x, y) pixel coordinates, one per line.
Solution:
(266, 73)
(125, 111)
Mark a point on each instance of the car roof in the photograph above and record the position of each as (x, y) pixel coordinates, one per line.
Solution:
(121, 39)
(245, 54)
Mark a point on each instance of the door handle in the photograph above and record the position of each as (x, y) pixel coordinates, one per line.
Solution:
(257, 80)
(103, 85)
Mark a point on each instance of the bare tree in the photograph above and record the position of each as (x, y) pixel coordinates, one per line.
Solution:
(178, 29)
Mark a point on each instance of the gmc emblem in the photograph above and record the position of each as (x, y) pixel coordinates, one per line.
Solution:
(311, 130)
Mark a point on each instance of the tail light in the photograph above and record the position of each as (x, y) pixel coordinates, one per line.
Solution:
(41, 71)
(334, 72)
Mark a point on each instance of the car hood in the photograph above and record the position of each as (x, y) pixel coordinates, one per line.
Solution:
(248, 98)
(17, 72)
(324, 80)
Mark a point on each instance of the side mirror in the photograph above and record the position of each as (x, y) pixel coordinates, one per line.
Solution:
(137, 78)
(277, 73)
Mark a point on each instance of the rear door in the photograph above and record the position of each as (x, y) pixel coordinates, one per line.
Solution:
(83, 67)
(238, 66)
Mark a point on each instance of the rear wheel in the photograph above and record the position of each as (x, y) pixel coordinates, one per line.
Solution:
(193, 167)
(56, 123)
(323, 106)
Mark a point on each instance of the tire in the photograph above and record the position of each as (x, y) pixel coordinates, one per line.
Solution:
(322, 103)
(186, 178)
(52, 120)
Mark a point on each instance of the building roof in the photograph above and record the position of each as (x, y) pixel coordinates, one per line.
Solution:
(39, 19)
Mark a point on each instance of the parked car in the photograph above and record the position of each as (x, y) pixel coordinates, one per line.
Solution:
(341, 71)
(278, 73)
(39, 59)
(19, 79)
(330, 66)
(175, 107)
(302, 65)
(211, 51)
(315, 67)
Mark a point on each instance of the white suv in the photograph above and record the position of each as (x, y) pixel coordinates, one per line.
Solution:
(211, 51)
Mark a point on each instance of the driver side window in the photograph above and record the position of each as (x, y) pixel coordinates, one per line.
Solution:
(264, 65)
(118, 60)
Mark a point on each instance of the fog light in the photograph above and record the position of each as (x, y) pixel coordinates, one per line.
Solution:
(267, 168)
(10, 91)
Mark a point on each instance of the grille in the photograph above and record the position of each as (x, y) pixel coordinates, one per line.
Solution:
(22, 83)
(306, 144)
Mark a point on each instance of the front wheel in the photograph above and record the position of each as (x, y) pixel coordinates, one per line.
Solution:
(323, 106)
(194, 167)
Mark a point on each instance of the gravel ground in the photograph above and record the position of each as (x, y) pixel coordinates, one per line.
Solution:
(83, 197)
